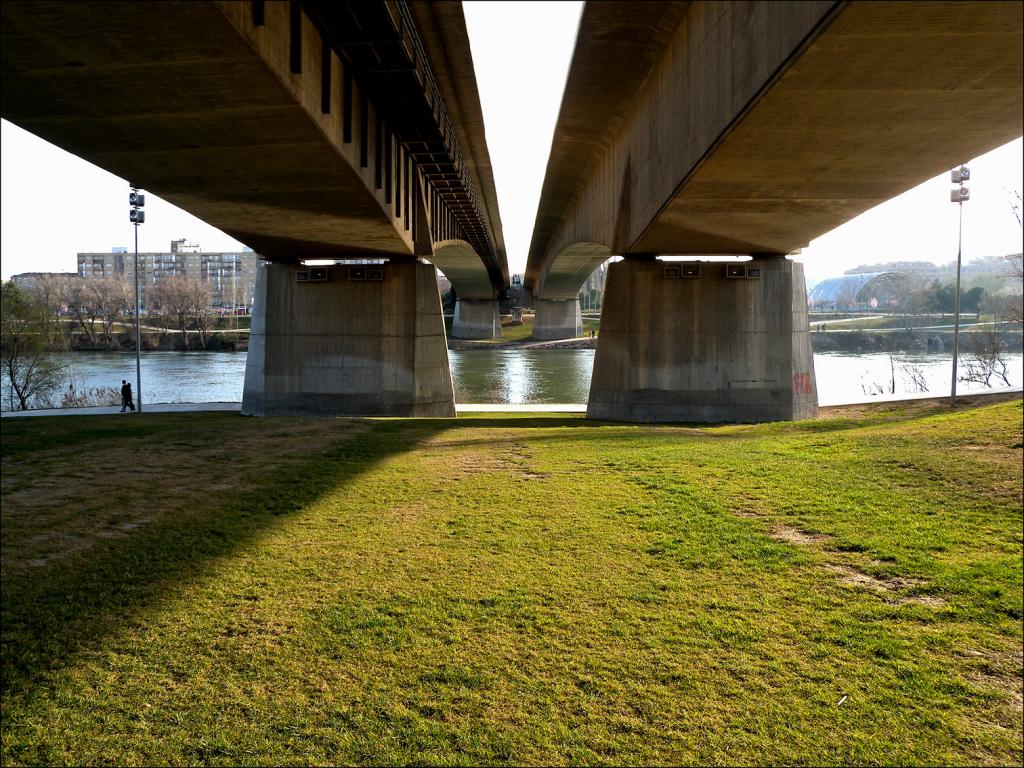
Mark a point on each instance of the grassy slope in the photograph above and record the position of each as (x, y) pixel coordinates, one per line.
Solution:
(205, 588)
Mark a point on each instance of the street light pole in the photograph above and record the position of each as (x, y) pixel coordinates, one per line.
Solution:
(137, 217)
(958, 196)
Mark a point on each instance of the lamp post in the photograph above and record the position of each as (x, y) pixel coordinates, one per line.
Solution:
(958, 195)
(137, 216)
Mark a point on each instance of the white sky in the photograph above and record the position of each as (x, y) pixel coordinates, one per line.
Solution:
(55, 205)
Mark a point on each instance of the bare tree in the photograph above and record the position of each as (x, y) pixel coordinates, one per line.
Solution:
(109, 295)
(80, 298)
(881, 388)
(31, 372)
(172, 298)
(985, 359)
(187, 303)
(846, 298)
(50, 292)
(1013, 310)
(202, 309)
(1016, 267)
(914, 376)
(916, 296)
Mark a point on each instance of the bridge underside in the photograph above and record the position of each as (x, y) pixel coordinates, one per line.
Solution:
(555, 302)
(308, 131)
(748, 128)
(193, 102)
(477, 311)
(887, 96)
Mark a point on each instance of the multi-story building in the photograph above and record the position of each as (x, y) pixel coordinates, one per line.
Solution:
(231, 276)
(27, 279)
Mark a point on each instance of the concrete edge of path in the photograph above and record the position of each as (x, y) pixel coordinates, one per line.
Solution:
(104, 410)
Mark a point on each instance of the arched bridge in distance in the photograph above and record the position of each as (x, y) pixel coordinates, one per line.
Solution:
(724, 128)
(308, 131)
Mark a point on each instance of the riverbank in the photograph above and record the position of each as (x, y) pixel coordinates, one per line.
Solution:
(832, 336)
(525, 343)
(508, 376)
(160, 341)
(392, 591)
(897, 340)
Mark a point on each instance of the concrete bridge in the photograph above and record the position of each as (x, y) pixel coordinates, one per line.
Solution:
(745, 128)
(308, 131)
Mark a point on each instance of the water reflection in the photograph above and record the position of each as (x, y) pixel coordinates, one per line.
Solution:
(522, 376)
(502, 375)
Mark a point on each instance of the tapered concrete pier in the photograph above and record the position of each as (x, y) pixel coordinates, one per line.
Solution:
(476, 319)
(557, 319)
(367, 341)
(707, 348)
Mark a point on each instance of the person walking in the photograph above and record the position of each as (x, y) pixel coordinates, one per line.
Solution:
(126, 396)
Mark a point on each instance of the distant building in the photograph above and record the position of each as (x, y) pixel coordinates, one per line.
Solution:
(26, 279)
(862, 291)
(231, 276)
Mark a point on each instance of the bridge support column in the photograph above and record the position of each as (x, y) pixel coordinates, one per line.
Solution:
(476, 320)
(708, 348)
(366, 341)
(557, 319)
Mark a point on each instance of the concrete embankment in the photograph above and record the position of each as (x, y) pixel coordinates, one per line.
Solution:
(931, 339)
(528, 343)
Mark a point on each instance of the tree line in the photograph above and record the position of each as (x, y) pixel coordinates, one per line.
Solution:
(96, 309)
(54, 313)
(921, 296)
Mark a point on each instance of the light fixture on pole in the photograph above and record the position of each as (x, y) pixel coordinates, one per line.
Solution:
(137, 216)
(958, 195)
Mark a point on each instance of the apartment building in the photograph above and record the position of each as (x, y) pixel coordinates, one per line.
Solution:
(231, 276)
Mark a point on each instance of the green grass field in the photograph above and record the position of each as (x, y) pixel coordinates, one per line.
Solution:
(209, 589)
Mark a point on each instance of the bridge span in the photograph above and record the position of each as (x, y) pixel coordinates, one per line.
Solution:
(308, 131)
(725, 128)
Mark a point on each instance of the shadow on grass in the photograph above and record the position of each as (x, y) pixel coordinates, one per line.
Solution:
(50, 615)
(47, 618)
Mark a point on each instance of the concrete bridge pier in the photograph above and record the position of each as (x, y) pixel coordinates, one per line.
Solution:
(557, 319)
(476, 319)
(365, 340)
(730, 344)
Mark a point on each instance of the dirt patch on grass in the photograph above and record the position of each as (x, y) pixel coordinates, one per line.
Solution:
(499, 456)
(858, 578)
(889, 586)
(893, 587)
(1003, 671)
(793, 535)
(405, 513)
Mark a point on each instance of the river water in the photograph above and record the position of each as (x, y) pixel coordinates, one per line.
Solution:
(504, 375)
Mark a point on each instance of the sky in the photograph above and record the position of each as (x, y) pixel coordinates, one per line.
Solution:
(54, 205)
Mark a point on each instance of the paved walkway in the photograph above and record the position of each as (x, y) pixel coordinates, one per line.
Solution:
(236, 407)
(884, 398)
(459, 408)
(104, 410)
